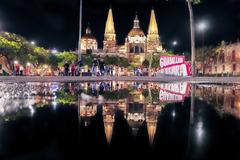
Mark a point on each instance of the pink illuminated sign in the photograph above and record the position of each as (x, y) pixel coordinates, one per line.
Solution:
(174, 92)
(174, 65)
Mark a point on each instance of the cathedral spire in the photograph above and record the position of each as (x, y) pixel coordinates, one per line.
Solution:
(110, 29)
(136, 22)
(88, 29)
(153, 27)
(153, 39)
(109, 43)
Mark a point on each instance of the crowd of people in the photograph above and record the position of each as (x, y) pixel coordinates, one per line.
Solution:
(98, 68)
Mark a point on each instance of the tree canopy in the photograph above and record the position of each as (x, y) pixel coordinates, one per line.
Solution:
(15, 47)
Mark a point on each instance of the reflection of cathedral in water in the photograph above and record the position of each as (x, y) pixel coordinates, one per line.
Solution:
(137, 108)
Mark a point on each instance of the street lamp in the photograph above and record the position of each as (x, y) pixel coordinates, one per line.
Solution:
(54, 51)
(80, 31)
(33, 42)
(174, 43)
(201, 27)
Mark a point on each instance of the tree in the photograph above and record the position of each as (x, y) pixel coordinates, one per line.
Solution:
(192, 30)
(41, 54)
(114, 60)
(53, 60)
(87, 59)
(205, 52)
(15, 47)
(64, 97)
(145, 63)
(10, 45)
(66, 57)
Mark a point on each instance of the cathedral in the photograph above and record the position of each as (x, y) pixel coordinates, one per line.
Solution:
(137, 44)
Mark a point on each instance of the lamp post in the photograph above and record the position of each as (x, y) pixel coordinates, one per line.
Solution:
(201, 27)
(80, 32)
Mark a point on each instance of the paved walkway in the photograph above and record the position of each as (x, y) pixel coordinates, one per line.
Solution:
(132, 78)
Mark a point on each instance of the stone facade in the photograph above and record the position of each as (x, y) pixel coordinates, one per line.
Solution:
(89, 42)
(226, 62)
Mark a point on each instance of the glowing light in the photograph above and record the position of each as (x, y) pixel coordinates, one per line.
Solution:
(16, 62)
(202, 26)
(45, 66)
(33, 42)
(174, 114)
(175, 43)
(28, 64)
(54, 103)
(32, 111)
(199, 131)
(54, 51)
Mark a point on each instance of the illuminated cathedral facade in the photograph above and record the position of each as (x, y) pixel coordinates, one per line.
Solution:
(137, 44)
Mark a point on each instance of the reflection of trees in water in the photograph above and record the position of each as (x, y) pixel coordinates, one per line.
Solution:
(64, 97)
(116, 95)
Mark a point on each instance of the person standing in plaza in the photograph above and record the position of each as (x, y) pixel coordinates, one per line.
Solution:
(66, 69)
(73, 69)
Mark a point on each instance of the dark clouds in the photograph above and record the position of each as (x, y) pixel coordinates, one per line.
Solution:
(54, 23)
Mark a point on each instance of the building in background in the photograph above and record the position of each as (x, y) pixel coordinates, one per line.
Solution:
(137, 44)
(225, 62)
(89, 42)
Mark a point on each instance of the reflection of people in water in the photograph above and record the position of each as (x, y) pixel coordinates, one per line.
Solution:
(101, 88)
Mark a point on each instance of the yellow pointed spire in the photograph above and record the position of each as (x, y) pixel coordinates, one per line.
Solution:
(108, 126)
(110, 29)
(109, 43)
(153, 27)
(151, 127)
(153, 39)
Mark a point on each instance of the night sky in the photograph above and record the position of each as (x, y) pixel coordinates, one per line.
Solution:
(54, 23)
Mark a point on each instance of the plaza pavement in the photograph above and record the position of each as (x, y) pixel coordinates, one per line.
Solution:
(164, 79)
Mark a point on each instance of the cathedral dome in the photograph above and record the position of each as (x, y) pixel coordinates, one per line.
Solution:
(136, 32)
(88, 34)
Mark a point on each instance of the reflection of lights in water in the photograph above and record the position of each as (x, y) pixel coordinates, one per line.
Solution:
(174, 114)
(100, 100)
(32, 111)
(141, 97)
(199, 131)
(54, 103)
(15, 96)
